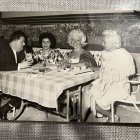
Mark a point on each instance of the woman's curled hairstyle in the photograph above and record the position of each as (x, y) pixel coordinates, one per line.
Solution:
(50, 36)
(76, 35)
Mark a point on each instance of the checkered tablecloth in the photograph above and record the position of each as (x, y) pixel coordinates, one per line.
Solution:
(42, 88)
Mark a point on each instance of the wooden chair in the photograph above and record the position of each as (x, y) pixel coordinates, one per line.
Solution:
(75, 96)
(73, 100)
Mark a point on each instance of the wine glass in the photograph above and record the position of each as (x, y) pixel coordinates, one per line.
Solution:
(28, 57)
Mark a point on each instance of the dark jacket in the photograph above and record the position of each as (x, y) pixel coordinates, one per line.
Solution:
(7, 58)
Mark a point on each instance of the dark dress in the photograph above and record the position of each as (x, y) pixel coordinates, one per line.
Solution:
(88, 59)
(85, 57)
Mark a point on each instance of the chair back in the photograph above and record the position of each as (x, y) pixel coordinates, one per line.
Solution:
(97, 56)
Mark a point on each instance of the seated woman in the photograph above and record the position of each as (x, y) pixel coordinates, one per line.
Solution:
(116, 67)
(79, 56)
(48, 52)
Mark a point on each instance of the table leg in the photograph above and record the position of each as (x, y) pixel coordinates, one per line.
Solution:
(80, 104)
(68, 103)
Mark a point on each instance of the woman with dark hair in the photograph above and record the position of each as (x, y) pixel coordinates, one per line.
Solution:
(49, 53)
(47, 37)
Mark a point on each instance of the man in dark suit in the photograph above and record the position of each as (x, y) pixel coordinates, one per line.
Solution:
(10, 60)
(9, 53)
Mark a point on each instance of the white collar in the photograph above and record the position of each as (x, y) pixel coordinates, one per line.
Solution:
(15, 54)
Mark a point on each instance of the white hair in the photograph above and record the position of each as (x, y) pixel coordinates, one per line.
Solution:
(76, 35)
(115, 37)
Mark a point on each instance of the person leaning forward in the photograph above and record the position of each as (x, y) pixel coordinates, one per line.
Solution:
(10, 61)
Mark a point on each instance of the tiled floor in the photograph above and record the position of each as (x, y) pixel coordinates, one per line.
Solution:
(126, 116)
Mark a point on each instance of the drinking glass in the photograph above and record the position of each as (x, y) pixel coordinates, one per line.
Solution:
(28, 57)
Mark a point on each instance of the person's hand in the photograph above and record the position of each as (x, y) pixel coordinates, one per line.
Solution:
(30, 61)
(25, 64)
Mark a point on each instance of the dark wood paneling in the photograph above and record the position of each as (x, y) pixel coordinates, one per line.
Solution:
(38, 20)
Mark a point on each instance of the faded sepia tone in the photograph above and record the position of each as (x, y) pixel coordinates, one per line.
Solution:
(108, 14)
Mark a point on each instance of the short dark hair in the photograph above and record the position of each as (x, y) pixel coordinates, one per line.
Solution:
(50, 36)
(16, 35)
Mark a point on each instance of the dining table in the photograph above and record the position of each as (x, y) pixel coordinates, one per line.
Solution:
(42, 85)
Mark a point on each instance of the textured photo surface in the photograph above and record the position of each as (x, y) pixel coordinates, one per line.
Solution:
(59, 17)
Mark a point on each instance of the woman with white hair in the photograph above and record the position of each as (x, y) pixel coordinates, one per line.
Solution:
(79, 56)
(117, 65)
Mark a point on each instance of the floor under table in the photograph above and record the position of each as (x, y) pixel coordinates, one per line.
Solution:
(33, 114)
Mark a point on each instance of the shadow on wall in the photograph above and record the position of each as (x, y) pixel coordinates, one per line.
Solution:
(94, 47)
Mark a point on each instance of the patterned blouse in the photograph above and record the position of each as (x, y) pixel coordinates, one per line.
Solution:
(52, 57)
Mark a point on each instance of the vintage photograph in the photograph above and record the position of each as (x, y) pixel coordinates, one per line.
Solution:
(80, 67)
(69, 70)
